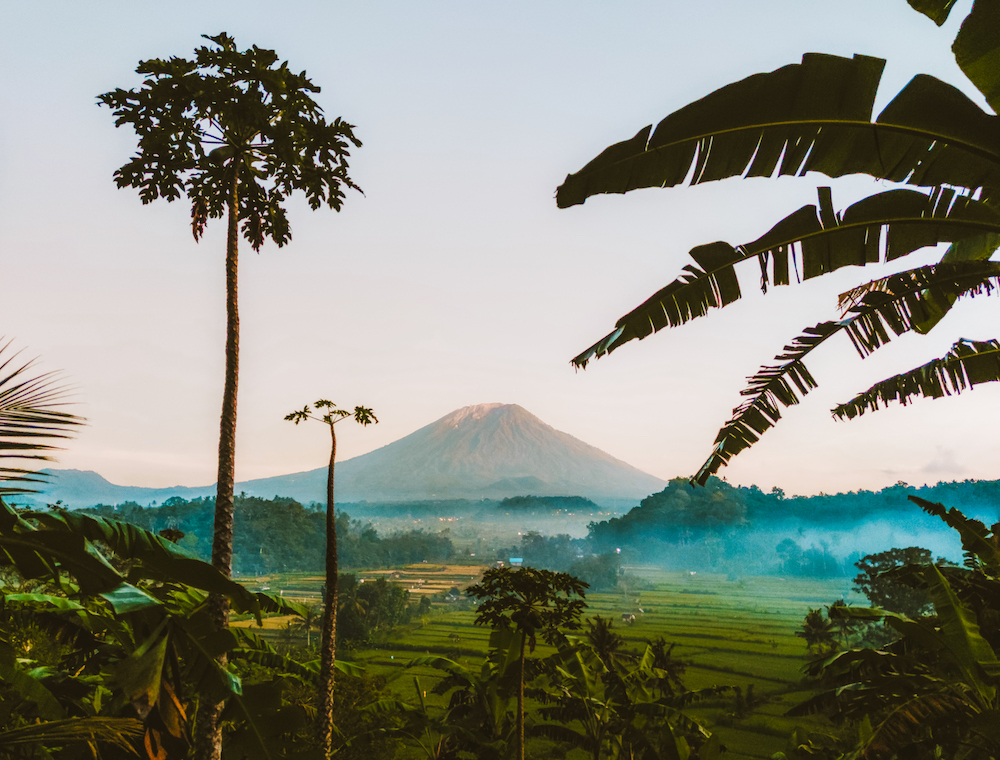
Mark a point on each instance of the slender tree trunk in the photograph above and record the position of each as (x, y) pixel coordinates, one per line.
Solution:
(208, 742)
(328, 648)
(520, 701)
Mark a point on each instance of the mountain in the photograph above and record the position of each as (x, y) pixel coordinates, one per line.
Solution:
(484, 451)
(85, 488)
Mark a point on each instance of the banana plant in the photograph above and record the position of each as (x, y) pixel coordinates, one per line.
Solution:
(618, 712)
(481, 713)
(142, 644)
(933, 692)
(818, 116)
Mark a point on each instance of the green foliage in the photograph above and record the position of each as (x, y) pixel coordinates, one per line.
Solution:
(601, 572)
(369, 611)
(677, 513)
(480, 713)
(618, 709)
(280, 535)
(813, 562)
(530, 601)
(122, 623)
(583, 704)
(931, 693)
(882, 590)
(362, 415)
(818, 633)
(818, 116)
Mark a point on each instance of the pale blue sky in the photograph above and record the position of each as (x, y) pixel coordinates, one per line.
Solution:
(454, 280)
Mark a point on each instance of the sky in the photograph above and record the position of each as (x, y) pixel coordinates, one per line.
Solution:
(454, 279)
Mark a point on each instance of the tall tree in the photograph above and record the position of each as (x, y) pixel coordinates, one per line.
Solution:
(235, 133)
(816, 116)
(328, 651)
(882, 591)
(531, 602)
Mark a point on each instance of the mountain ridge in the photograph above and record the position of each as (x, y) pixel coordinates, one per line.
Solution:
(475, 452)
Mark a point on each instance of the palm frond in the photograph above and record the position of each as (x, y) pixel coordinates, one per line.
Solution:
(813, 241)
(30, 418)
(894, 304)
(812, 116)
(968, 364)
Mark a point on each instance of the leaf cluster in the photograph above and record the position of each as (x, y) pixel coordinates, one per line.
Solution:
(139, 646)
(933, 691)
(530, 600)
(362, 415)
(229, 117)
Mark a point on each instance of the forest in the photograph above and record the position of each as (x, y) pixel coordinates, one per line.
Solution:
(281, 535)
(715, 527)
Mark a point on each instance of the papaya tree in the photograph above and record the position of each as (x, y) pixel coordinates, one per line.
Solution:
(531, 602)
(941, 148)
(236, 133)
(328, 646)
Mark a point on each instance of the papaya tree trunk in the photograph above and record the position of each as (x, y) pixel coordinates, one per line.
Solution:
(208, 740)
(328, 647)
(520, 700)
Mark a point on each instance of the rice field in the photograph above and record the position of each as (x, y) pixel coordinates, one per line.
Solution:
(735, 632)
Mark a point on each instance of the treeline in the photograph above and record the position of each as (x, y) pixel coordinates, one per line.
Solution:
(680, 514)
(563, 554)
(282, 535)
(481, 509)
(547, 504)
(368, 611)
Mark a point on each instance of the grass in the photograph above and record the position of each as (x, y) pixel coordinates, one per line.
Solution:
(728, 632)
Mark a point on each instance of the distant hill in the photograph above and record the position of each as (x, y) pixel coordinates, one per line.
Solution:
(487, 451)
(85, 488)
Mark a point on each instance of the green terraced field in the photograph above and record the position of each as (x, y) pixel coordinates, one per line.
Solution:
(729, 632)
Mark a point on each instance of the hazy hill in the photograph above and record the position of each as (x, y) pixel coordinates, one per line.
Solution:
(484, 451)
(84, 488)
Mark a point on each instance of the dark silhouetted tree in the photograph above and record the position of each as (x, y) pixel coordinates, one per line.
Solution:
(236, 133)
(532, 602)
(330, 416)
(878, 585)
